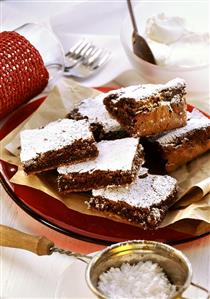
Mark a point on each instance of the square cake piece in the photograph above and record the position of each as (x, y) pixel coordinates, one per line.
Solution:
(144, 202)
(102, 124)
(149, 109)
(60, 142)
(179, 146)
(117, 164)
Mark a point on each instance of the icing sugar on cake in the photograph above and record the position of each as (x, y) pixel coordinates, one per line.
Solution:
(140, 92)
(113, 155)
(196, 120)
(145, 192)
(96, 112)
(53, 136)
(139, 108)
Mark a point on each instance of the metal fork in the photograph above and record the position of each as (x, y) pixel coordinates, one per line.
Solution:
(84, 59)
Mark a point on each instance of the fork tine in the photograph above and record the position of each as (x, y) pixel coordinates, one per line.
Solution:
(100, 60)
(75, 47)
(76, 55)
(81, 50)
(103, 60)
(95, 56)
(84, 58)
(91, 51)
(87, 50)
(91, 55)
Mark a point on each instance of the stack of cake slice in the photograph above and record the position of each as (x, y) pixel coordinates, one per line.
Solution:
(149, 109)
(145, 202)
(112, 168)
(59, 142)
(117, 164)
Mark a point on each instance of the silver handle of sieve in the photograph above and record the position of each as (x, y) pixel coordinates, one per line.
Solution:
(199, 287)
(82, 257)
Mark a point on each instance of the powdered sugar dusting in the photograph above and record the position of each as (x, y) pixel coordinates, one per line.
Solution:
(139, 92)
(53, 136)
(113, 155)
(96, 112)
(142, 193)
(196, 120)
(144, 280)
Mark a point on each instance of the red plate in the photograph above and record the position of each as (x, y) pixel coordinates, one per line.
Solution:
(56, 215)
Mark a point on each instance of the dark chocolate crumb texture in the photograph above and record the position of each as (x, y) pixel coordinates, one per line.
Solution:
(179, 146)
(145, 202)
(102, 124)
(60, 142)
(149, 109)
(117, 164)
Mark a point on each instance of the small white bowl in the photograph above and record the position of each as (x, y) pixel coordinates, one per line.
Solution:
(197, 15)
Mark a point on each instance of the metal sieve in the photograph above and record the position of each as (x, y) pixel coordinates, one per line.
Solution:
(174, 263)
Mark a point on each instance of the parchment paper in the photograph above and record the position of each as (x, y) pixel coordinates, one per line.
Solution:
(191, 213)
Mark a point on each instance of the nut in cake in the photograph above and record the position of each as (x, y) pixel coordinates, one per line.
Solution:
(149, 109)
(117, 164)
(60, 142)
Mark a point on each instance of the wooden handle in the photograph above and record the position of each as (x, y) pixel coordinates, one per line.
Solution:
(10, 237)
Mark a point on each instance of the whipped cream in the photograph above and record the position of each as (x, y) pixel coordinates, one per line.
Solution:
(174, 44)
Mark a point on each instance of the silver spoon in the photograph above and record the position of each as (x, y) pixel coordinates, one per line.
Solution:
(140, 46)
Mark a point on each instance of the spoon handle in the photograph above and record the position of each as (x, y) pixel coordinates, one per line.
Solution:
(10, 237)
(132, 16)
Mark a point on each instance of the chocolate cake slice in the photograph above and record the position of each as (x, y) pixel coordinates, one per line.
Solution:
(60, 142)
(144, 202)
(149, 109)
(179, 146)
(117, 164)
(102, 124)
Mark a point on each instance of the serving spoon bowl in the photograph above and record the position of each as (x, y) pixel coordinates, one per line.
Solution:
(140, 46)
